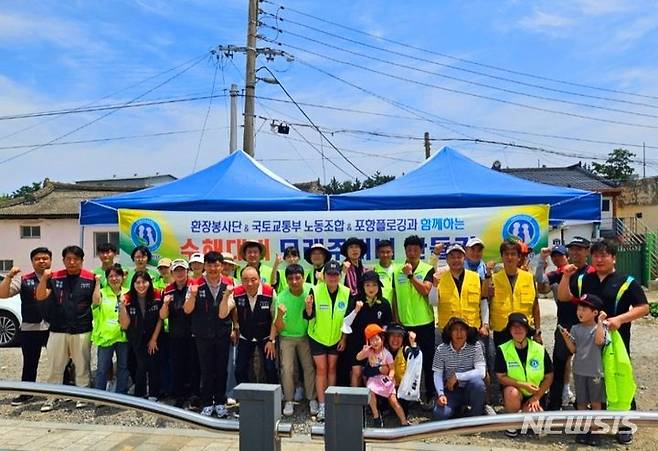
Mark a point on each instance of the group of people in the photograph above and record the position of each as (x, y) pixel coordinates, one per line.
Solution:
(194, 329)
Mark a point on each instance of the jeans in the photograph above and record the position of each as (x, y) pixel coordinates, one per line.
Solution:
(31, 344)
(213, 361)
(472, 394)
(105, 363)
(245, 352)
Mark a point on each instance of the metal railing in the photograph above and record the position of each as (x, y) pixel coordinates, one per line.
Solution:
(471, 425)
(155, 408)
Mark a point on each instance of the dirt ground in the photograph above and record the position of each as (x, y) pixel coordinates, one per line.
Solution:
(644, 354)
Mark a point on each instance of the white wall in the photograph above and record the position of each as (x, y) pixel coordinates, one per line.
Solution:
(55, 235)
(570, 230)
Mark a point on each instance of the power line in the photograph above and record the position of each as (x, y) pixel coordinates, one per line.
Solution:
(471, 82)
(205, 119)
(108, 139)
(437, 63)
(81, 108)
(87, 124)
(460, 59)
(313, 123)
(471, 94)
(462, 124)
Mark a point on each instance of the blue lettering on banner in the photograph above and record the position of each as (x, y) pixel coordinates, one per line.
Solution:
(216, 227)
(288, 242)
(441, 223)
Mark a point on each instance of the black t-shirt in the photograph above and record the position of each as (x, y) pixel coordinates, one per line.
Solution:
(607, 290)
(459, 281)
(501, 366)
(380, 313)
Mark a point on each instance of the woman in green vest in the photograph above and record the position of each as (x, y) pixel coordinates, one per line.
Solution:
(523, 369)
(107, 334)
(326, 308)
(317, 256)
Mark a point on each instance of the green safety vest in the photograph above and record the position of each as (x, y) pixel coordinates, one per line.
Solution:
(283, 283)
(413, 308)
(326, 326)
(295, 324)
(534, 364)
(618, 374)
(386, 277)
(99, 271)
(159, 283)
(264, 271)
(106, 330)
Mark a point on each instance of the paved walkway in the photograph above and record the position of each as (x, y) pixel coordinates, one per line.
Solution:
(25, 435)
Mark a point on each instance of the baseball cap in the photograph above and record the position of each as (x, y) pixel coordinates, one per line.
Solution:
(372, 330)
(455, 247)
(179, 263)
(197, 257)
(591, 300)
(332, 267)
(228, 258)
(371, 276)
(474, 241)
(166, 262)
(579, 241)
(558, 248)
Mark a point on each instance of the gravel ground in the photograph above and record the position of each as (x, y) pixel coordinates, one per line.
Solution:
(644, 356)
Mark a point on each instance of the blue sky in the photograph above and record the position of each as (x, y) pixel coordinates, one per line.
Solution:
(65, 54)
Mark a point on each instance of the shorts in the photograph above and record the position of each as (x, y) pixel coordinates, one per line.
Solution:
(320, 349)
(589, 389)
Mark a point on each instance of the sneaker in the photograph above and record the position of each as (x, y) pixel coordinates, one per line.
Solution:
(112, 385)
(220, 411)
(153, 398)
(624, 437)
(48, 405)
(488, 410)
(288, 409)
(80, 405)
(320, 415)
(313, 407)
(377, 423)
(512, 433)
(581, 439)
(568, 397)
(230, 402)
(207, 411)
(299, 394)
(21, 399)
(429, 405)
(180, 402)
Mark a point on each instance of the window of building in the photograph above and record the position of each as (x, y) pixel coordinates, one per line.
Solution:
(6, 265)
(105, 237)
(605, 205)
(30, 231)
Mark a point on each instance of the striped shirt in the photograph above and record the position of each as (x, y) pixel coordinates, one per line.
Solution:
(466, 364)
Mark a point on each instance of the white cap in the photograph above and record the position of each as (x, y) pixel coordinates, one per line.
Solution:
(455, 247)
(473, 241)
(197, 257)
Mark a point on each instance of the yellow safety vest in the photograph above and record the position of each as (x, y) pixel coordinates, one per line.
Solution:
(507, 301)
(534, 364)
(466, 305)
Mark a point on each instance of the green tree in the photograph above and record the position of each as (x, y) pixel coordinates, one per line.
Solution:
(348, 186)
(617, 166)
(23, 191)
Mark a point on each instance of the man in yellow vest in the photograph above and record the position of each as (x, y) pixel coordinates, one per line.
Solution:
(253, 252)
(456, 292)
(412, 283)
(523, 369)
(514, 291)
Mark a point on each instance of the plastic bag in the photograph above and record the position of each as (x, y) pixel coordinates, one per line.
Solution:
(409, 388)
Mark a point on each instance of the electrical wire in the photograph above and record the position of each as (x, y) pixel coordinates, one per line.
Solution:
(103, 116)
(205, 119)
(460, 59)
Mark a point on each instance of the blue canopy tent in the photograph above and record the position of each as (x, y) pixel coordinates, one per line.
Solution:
(236, 183)
(450, 180)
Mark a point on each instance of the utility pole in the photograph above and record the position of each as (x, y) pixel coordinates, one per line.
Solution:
(250, 83)
(644, 161)
(427, 145)
(234, 118)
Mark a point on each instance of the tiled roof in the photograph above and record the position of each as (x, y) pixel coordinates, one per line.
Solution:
(55, 200)
(574, 176)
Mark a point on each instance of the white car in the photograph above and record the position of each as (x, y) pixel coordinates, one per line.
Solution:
(10, 320)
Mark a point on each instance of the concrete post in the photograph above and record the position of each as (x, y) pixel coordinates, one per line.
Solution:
(343, 428)
(260, 411)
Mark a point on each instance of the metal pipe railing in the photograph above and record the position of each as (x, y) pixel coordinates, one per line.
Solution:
(131, 402)
(470, 425)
